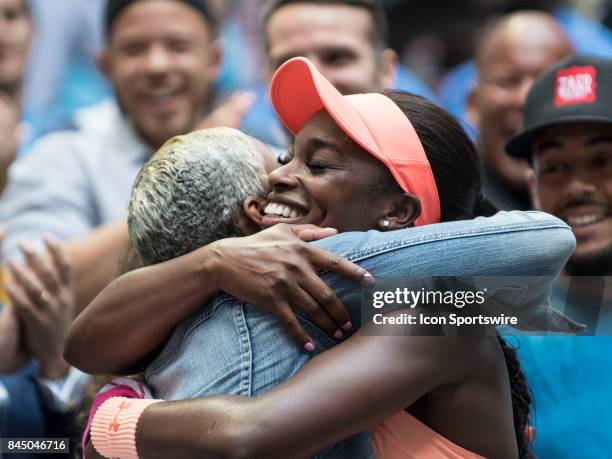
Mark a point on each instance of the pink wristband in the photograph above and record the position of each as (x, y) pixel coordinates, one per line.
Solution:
(113, 430)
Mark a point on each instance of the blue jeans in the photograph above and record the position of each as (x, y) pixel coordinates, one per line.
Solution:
(228, 347)
(22, 415)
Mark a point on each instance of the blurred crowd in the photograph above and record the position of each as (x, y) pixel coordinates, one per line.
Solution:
(89, 90)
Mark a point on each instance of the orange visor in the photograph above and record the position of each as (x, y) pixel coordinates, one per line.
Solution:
(298, 91)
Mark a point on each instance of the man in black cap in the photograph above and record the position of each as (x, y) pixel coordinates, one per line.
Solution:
(568, 140)
(568, 137)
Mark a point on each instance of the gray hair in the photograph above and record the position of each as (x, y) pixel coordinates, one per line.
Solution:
(190, 192)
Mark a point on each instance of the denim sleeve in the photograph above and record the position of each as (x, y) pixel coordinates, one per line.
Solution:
(508, 243)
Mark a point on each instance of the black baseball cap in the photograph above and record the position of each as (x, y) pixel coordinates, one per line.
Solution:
(577, 89)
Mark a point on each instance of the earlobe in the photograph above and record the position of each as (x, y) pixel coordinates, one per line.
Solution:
(253, 209)
(472, 107)
(384, 225)
(216, 54)
(103, 63)
(533, 188)
(388, 68)
(404, 213)
(412, 206)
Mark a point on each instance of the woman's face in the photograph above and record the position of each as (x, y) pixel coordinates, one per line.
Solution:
(328, 181)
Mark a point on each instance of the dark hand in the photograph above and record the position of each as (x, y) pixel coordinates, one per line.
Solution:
(42, 296)
(276, 269)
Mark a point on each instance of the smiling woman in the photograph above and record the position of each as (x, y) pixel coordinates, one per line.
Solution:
(328, 180)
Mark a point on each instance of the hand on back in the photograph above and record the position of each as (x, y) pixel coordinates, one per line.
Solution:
(276, 269)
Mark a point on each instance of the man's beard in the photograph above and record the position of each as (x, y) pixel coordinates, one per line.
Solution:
(591, 265)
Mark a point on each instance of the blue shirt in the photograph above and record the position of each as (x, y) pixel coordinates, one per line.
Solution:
(571, 382)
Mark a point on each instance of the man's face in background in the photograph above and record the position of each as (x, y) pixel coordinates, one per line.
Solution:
(573, 180)
(15, 39)
(337, 38)
(511, 58)
(162, 61)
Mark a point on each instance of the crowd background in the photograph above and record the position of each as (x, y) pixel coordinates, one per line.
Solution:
(435, 40)
(440, 45)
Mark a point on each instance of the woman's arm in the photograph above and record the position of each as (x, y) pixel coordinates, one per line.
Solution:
(274, 268)
(134, 315)
(318, 406)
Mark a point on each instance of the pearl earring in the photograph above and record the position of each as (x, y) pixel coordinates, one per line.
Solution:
(386, 223)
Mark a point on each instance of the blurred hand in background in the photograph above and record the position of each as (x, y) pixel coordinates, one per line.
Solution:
(41, 295)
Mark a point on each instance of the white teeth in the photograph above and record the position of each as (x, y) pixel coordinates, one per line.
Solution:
(281, 210)
(161, 94)
(583, 220)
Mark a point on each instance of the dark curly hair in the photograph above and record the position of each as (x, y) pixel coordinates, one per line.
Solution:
(456, 168)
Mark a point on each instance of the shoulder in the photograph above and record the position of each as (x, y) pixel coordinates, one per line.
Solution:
(58, 148)
(457, 358)
(427, 350)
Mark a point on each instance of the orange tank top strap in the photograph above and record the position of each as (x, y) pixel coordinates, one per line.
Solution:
(402, 436)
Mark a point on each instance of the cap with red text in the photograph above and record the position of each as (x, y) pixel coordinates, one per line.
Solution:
(576, 90)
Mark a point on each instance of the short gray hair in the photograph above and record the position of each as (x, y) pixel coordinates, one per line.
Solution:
(190, 192)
